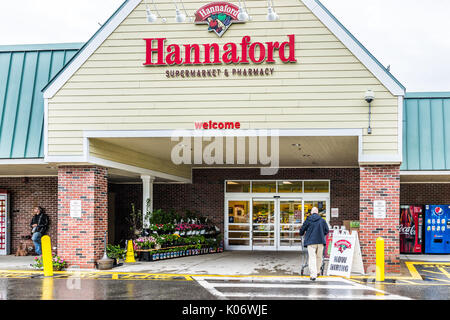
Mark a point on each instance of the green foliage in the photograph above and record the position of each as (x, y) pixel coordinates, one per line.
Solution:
(115, 252)
(157, 217)
(58, 263)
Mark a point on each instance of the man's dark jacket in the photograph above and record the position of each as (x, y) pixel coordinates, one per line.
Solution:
(316, 230)
(42, 222)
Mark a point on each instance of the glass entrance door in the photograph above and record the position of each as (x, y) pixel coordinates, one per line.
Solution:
(269, 223)
(276, 224)
(263, 224)
(320, 204)
(290, 222)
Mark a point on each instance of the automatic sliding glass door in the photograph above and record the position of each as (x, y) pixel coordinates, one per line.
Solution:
(290, 218)
(269, 223)
(263, 224)
(238, 230)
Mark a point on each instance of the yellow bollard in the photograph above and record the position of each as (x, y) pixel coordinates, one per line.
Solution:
(130, 253)
(47, 258)
(380, 259)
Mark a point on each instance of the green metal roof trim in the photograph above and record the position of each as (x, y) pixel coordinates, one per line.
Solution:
(426, 132)
(24, 71)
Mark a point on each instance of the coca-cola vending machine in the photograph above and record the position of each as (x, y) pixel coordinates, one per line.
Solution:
(411, 229)
(4, 223)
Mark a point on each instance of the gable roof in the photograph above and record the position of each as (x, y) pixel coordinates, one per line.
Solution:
(317, 8)
(426, 131)
(24, 71)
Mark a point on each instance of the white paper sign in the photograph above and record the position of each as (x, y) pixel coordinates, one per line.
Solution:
(379, 209)
(335, 212)
(345, 256)
(75, 208)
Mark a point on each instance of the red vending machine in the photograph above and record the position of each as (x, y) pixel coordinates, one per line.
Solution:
(411, 225)
(4, 223)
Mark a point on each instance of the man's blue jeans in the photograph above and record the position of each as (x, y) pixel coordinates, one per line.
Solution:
(37, 242)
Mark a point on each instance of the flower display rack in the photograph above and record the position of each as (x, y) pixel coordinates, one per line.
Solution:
(176, 252)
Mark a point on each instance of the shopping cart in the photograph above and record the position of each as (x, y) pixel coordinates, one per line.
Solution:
(305, 259)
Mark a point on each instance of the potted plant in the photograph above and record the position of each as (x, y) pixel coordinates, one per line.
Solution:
(161, 241)
(58, 263)
(115, 252)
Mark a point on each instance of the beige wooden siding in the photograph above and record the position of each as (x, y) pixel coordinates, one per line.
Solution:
(108, 151)
(323, 90)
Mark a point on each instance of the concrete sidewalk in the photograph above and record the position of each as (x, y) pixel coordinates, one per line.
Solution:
(226, 263)
(260, 263)
(16, 263)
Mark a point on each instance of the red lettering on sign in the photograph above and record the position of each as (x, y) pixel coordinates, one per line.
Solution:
(257, 52)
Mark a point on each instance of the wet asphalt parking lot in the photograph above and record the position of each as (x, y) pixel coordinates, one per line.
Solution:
(115, 286)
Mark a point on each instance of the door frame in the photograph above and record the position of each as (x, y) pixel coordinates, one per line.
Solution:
(275, 219)
(303, 197)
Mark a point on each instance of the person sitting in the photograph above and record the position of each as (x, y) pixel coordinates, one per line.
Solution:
(39, 225)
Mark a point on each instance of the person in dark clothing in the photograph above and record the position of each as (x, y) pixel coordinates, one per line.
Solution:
(315, 230)
(39, 225)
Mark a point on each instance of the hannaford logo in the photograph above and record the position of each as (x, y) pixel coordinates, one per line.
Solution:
(218, 16)
(256, 52)
(342, 245)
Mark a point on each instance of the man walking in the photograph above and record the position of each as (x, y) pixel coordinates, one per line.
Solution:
(316, 230)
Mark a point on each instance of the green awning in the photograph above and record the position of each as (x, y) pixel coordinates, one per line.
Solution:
(24, 71)
(426, 132)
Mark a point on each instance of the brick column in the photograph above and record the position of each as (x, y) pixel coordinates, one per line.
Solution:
(380, 183)
(81, 240)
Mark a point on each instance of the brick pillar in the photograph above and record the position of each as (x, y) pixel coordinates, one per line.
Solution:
(380, 183)
(80, 240)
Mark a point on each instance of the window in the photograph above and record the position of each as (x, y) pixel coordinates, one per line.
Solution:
(290, 186)
(278, 186)
(317, 187)
(238, 186)
(264, 187)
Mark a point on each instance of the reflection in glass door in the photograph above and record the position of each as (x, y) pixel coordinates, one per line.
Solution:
(321, 205)
(238, 223)
(263, 228)
(290, 223)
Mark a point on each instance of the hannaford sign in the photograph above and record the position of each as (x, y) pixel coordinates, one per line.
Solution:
(256, 52)
(218, 16)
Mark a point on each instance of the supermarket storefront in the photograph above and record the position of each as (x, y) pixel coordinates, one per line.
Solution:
(145, 110)
(266, 215)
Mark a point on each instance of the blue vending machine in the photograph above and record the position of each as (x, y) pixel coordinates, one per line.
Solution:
(437, 229)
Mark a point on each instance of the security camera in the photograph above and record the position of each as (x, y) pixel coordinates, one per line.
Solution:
(370, 96)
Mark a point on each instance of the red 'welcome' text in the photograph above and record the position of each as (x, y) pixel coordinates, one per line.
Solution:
(217, 125)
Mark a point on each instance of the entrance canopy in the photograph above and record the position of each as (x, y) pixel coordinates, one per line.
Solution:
(174, 157)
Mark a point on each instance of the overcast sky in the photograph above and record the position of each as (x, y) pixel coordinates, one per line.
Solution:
(410, 35)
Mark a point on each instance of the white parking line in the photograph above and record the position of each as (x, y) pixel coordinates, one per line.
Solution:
(218, 285)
